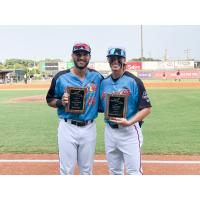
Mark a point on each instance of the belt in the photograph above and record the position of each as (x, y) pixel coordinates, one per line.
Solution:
(113, 125)
(79, 123)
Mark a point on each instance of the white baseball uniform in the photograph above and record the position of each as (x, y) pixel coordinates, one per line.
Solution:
(123, 144)
(76, 132)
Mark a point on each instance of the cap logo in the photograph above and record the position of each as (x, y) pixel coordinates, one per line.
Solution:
(117, 51)
(81, 47)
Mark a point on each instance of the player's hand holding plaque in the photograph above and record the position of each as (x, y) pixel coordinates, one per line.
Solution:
(77, 97)
(116, 105)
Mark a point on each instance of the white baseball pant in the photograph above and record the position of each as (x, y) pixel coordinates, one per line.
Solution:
(123, 147)
(76, 145)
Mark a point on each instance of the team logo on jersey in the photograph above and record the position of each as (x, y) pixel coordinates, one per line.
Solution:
(145, 96)
(124, 91)
(91, 100)
(91, 87)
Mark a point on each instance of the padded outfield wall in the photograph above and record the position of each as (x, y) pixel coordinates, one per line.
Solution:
(150, 65)
(155, 69)
(168, 65)
(170, 74)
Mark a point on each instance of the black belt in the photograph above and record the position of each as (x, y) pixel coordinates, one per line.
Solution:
(79, 123)
(113, 125)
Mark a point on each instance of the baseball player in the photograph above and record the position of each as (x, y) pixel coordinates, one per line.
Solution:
(76, 132)
(164, 76)
(123, 136)
(178, 76)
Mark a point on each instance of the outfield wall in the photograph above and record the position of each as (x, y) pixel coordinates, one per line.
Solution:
(149, 65)
(133, 65)
(170, 74)
(168, 65)
(155, 69)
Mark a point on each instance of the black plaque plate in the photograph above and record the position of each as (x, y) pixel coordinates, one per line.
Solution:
(76, 100)
(116, 105)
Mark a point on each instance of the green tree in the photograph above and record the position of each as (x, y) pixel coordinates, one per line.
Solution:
(2, 66)
(18, 63)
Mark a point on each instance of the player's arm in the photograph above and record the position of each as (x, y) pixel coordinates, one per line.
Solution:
(53, 99)
(137, 118)
(100, 106)
(144, 105)
(144, 108)
(57, 103)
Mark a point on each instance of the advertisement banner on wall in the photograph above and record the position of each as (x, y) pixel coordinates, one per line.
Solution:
(156, 65)
(145, 75)
(167, 65)
(185, 74)
(151, 65)
(133, 66)
(184, 64)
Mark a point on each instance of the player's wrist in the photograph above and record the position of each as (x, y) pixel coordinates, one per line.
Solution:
(59, 103)
(131, 122)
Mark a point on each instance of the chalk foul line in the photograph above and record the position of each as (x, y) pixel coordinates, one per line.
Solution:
(104, 161)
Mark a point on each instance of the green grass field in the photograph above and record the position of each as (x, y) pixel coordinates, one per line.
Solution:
(172, 128)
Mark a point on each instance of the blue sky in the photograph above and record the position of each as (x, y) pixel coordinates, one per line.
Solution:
(39, 42)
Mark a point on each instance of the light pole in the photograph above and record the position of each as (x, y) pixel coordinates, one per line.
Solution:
(187, 52)
(141, 38)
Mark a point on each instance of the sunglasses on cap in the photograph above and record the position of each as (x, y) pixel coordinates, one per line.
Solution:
(81, 47)
(113, 58)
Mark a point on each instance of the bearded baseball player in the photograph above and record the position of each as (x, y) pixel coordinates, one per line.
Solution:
(123, 136)
(76, 131)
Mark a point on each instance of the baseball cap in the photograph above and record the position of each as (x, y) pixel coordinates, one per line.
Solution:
(81, 47)
(116, 52)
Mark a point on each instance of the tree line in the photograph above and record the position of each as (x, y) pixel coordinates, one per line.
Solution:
(23, 63)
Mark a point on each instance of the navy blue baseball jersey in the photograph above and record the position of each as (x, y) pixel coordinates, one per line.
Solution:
(129, 85)
(65, 79)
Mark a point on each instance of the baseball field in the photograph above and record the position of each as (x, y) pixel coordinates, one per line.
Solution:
(28, 130)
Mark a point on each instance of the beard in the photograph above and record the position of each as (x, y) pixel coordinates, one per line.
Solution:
(82, 66)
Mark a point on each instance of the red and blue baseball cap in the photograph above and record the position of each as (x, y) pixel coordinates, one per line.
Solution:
(81, 47)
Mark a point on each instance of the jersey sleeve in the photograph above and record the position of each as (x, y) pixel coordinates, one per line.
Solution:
(143, 99)
(52, 92)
